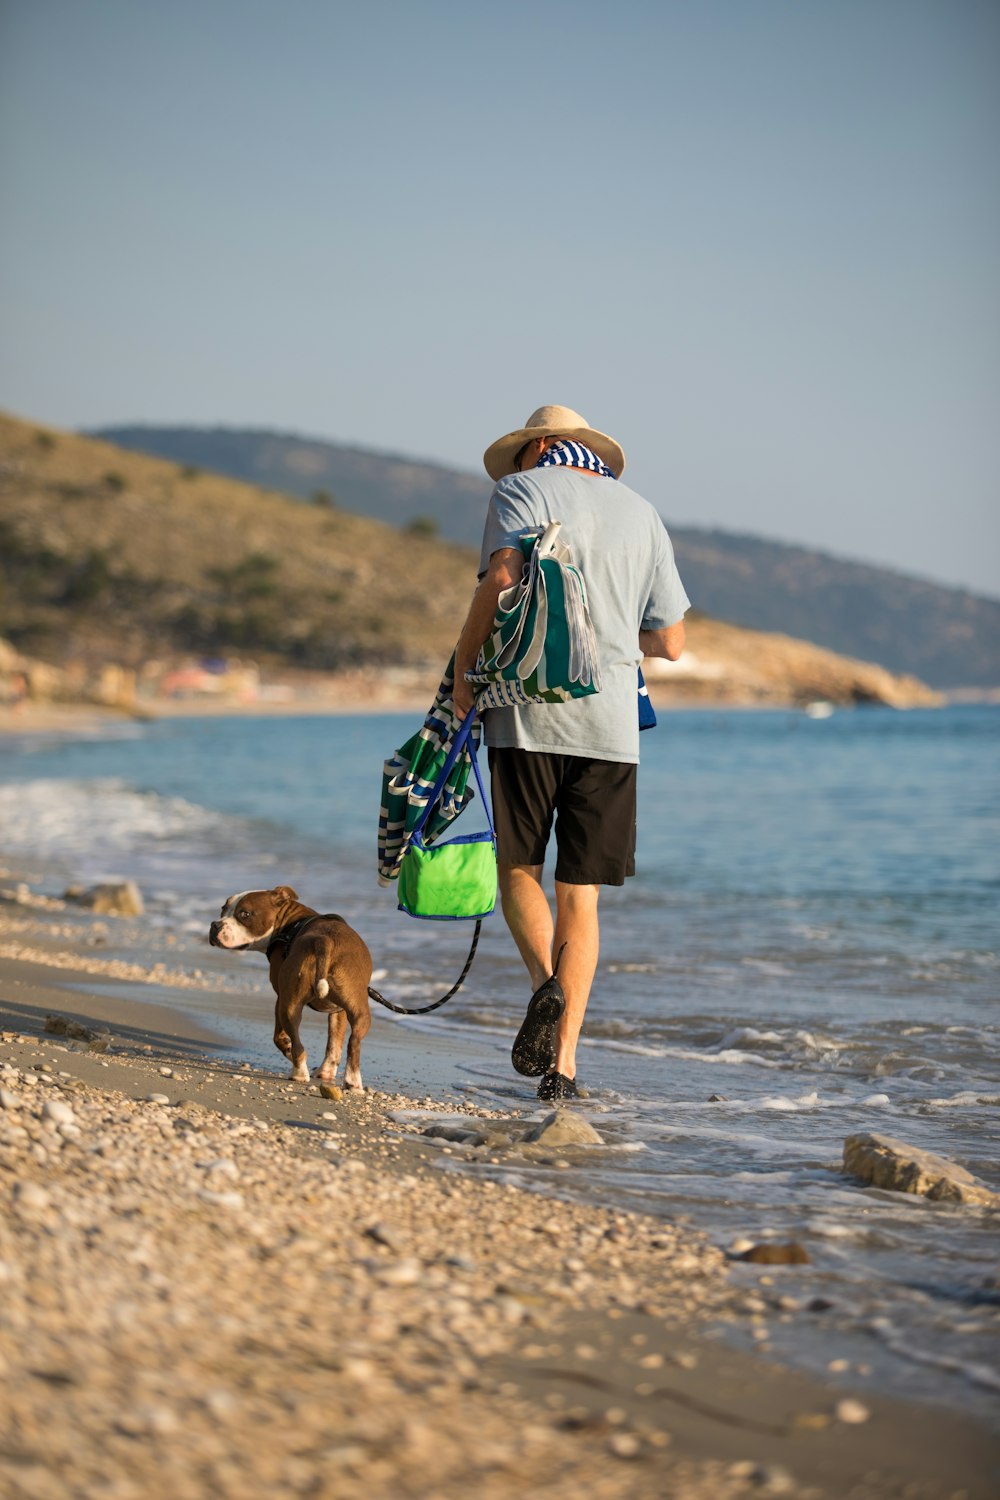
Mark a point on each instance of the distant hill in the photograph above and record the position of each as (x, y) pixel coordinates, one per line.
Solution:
(946, 636)
(383, 486)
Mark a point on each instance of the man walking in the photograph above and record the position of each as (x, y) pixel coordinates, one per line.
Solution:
(574, 762)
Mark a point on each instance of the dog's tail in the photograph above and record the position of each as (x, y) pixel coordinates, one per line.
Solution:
(314, 969)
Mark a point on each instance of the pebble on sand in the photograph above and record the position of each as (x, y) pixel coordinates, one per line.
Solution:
(58, 1112)
(853, 1413)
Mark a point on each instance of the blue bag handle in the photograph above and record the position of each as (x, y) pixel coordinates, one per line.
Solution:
(459, 743)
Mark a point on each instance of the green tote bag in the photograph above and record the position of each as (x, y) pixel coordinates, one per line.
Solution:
(454, 880)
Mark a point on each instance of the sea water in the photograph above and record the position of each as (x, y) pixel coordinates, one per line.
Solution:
(810, 948)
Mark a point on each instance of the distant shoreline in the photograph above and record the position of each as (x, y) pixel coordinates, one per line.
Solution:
(73, 718)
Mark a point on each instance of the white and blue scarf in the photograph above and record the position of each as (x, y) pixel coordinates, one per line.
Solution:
(568, 454)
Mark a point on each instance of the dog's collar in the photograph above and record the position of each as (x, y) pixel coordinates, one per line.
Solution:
(287, 935)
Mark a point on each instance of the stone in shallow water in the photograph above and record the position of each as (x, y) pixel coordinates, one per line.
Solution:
(791, 1254)
(892, 1164)
(496, 1137)
(564, 1128)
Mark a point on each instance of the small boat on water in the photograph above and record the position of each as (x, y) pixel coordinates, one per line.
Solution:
(820, 709)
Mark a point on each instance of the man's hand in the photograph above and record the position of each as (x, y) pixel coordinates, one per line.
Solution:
(505, 569)
(462, 697)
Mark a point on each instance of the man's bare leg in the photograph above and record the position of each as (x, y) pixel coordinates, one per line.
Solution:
(577, 927)
(526, 911)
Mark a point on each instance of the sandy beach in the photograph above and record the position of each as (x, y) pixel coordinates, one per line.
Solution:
(219, 1282)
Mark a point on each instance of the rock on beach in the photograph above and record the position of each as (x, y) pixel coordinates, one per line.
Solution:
(892, 1164)
(563, 1128)
(791, 1254)
(560, 1128)
(111, 898)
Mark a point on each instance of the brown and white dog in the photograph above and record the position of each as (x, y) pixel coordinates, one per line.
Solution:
(316, 961)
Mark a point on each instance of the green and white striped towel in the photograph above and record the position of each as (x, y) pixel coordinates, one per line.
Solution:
(542, 648)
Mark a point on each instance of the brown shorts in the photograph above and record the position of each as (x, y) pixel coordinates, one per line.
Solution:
(593, 802)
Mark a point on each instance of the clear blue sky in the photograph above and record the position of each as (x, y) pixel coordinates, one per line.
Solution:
(756, 240)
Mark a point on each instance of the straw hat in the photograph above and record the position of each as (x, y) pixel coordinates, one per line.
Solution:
(551, 421)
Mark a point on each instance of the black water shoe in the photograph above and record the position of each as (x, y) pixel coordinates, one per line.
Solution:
(558, 1086)
(534, 1050)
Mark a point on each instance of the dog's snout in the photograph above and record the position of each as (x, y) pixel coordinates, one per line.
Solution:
(213, 933)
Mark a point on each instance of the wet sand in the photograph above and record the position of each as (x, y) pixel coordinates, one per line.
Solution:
(219, 1282)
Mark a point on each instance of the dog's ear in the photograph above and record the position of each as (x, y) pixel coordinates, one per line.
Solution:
(284, 893)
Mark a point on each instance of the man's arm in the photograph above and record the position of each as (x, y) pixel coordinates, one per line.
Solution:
(505, 569)
(668, 642)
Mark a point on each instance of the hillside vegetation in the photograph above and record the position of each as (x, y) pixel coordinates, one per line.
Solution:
(106, 553)
(115, 563)
(947, 636)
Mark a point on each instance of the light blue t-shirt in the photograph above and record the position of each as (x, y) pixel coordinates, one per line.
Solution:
(621, 546)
